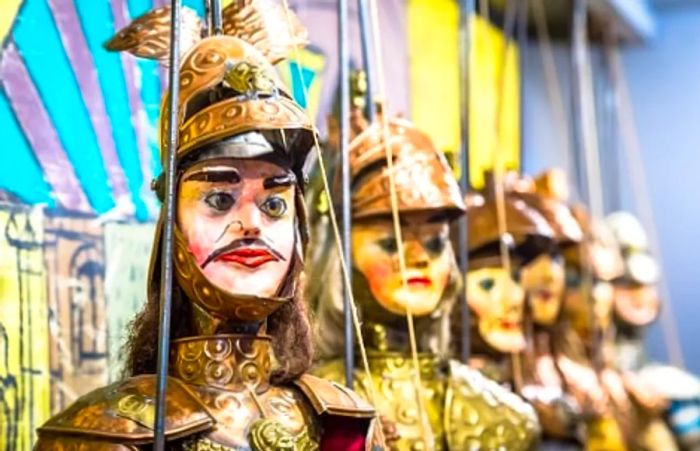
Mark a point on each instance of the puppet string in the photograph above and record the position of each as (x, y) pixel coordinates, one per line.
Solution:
(632, 149)
(426, 429)
(336, 235)
(498, 165)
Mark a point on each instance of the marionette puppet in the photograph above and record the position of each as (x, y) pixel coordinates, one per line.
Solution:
(543, 281)
(634, 406)
(240, 342)
(636, 306)
(458, 408)
(495, 297)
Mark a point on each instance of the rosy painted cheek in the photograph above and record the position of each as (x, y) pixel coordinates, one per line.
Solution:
(377, 275)
(197, 243)
(197, 251)
(478, 303)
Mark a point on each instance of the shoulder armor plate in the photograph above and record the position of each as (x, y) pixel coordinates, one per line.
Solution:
(483, 414)
(332, 398)
(125, 410)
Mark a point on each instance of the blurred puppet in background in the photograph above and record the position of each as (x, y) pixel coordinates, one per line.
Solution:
(449, 406)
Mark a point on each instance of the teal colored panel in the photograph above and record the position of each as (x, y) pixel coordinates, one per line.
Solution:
(98, 25)
(197, 5)
(40, 45)
(138, 7)
(301, 82)
(150, 95)
(20, 173)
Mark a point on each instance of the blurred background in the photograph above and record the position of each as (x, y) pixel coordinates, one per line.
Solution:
(79, 147)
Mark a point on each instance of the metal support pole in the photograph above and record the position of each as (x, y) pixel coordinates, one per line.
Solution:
(521, 32)
(344, 86)
(610, 130)
(166, 289)
(578, 61)
(466, 10)
(366, 41)
(208, 16)
(216, 20)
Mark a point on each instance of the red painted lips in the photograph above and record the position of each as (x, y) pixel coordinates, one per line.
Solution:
(419, 281)
(250, 257)
(510, 325)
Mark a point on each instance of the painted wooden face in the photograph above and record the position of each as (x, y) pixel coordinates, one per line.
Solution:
(543, 282)
(497, 301)
(238, 217)
(429, 262)
(636, 304)
(587, 308)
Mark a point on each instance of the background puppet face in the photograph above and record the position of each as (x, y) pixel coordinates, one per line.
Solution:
(543, 281)
(497, 301)
(429, 262)
(238, 217)
(636, 304)
(587, 307)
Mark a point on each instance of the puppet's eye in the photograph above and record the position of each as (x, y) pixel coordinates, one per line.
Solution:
(220, 201)
(274, 207)
(435, 244)
(388, 244)
(487, 283)
(573, 278)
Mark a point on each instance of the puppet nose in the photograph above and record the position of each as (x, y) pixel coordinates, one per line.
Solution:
(251, 232)
(513, 294)
(415, 255)
(251, 220)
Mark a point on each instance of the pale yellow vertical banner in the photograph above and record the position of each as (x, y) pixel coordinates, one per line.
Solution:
(433, 38)
(24, 350)
(8, 14)
(127, 254)
(486, 136)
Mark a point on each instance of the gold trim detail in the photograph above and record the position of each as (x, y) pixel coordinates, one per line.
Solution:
(421, 174)
(148, 36)
(229, 362)
(233, 116)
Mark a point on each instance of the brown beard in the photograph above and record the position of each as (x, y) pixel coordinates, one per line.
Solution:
(289, 327)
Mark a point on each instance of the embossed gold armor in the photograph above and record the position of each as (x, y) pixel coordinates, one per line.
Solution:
(464, 409)
(219, 397)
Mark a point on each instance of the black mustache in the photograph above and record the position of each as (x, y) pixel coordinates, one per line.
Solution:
(242, 242)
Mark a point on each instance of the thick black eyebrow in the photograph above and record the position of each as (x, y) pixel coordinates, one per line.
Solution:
(287, 179)
(214, 176)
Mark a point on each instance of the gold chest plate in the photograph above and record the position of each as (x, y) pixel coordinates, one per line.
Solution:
(277, 419)
(464, 409)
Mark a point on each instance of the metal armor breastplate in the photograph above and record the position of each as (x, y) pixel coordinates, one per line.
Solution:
(465, 410)
(230, 375)
(391, 374)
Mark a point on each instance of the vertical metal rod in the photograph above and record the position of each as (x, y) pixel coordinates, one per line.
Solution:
(586, 146)
(208, 17)
(344, 85)
(522, 37)
(366, 41)
(466, 11)
(216, 19)
(169, 219)
(610, 130)
(578, 42)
